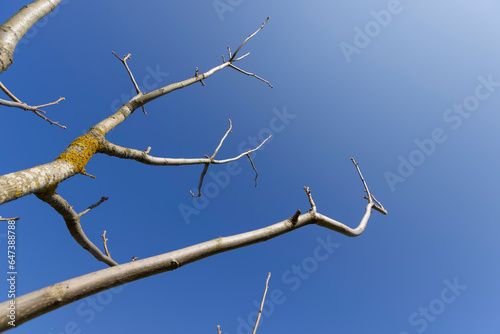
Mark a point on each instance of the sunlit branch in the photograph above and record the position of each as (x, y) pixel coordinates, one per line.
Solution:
(49, 298)
(72, 220)
(124, 62)
(16, 103)
(261, 304)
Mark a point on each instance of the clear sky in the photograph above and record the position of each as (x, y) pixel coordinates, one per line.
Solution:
(411, 89)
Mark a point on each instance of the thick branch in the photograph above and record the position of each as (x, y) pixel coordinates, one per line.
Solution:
(18, 25)
(72, 161)
(50, 298)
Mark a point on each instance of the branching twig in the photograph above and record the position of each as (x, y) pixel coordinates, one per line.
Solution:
(250, 74)
(246, 40)
(261, 304)
(84, 286)
(102, 200)
(35, 109)
(72, 220)
(124, 62)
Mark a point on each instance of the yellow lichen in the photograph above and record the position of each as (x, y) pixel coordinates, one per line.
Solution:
(80, 151)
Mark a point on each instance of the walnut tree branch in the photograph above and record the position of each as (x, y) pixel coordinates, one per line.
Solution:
(124, 62)
(261, 304)
(73, 160)
(369, 196)
(18, 25)
(250, 74)
(16, 103)
(63, 293)
(72, 220)
(111, 149)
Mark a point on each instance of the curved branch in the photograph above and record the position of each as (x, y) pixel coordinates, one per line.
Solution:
(113, 150)
(18, 25)
(72, 220)
(63, 293)
(35, 179)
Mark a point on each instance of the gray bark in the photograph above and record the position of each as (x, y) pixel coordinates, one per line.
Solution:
(50, 298)
(18, 25)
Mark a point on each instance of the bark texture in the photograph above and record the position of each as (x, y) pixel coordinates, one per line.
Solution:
(18, 25)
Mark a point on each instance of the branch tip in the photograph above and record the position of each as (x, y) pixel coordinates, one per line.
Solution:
(371, 199)
(105, 241)
(311, 201)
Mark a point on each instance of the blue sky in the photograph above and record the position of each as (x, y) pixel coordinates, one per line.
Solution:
(411, 89)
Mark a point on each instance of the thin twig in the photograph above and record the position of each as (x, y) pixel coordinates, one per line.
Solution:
(211, 161)
(261, 304)
(102, 200)
(205, 168)
(246, 40)
(250, 74)
(218, 329)
(105, 241)
(253, 166)
(124, 62)
(9, 94)
(369, 196)
(311, 201)
(35, 109)
(223, 138)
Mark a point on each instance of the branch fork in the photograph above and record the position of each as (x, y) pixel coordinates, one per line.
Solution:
(16, 103)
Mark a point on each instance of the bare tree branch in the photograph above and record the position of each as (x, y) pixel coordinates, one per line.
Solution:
(124, 62)
(102, 200)
(369, 195)
(250, 74)
(261, 304)
(16, 103)
(60, 294)
(246, 40)
(255, 169)
(18, 25)
(105, 242)
(73, 160)
(311, 201)
(7, 219)
(72, 220)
